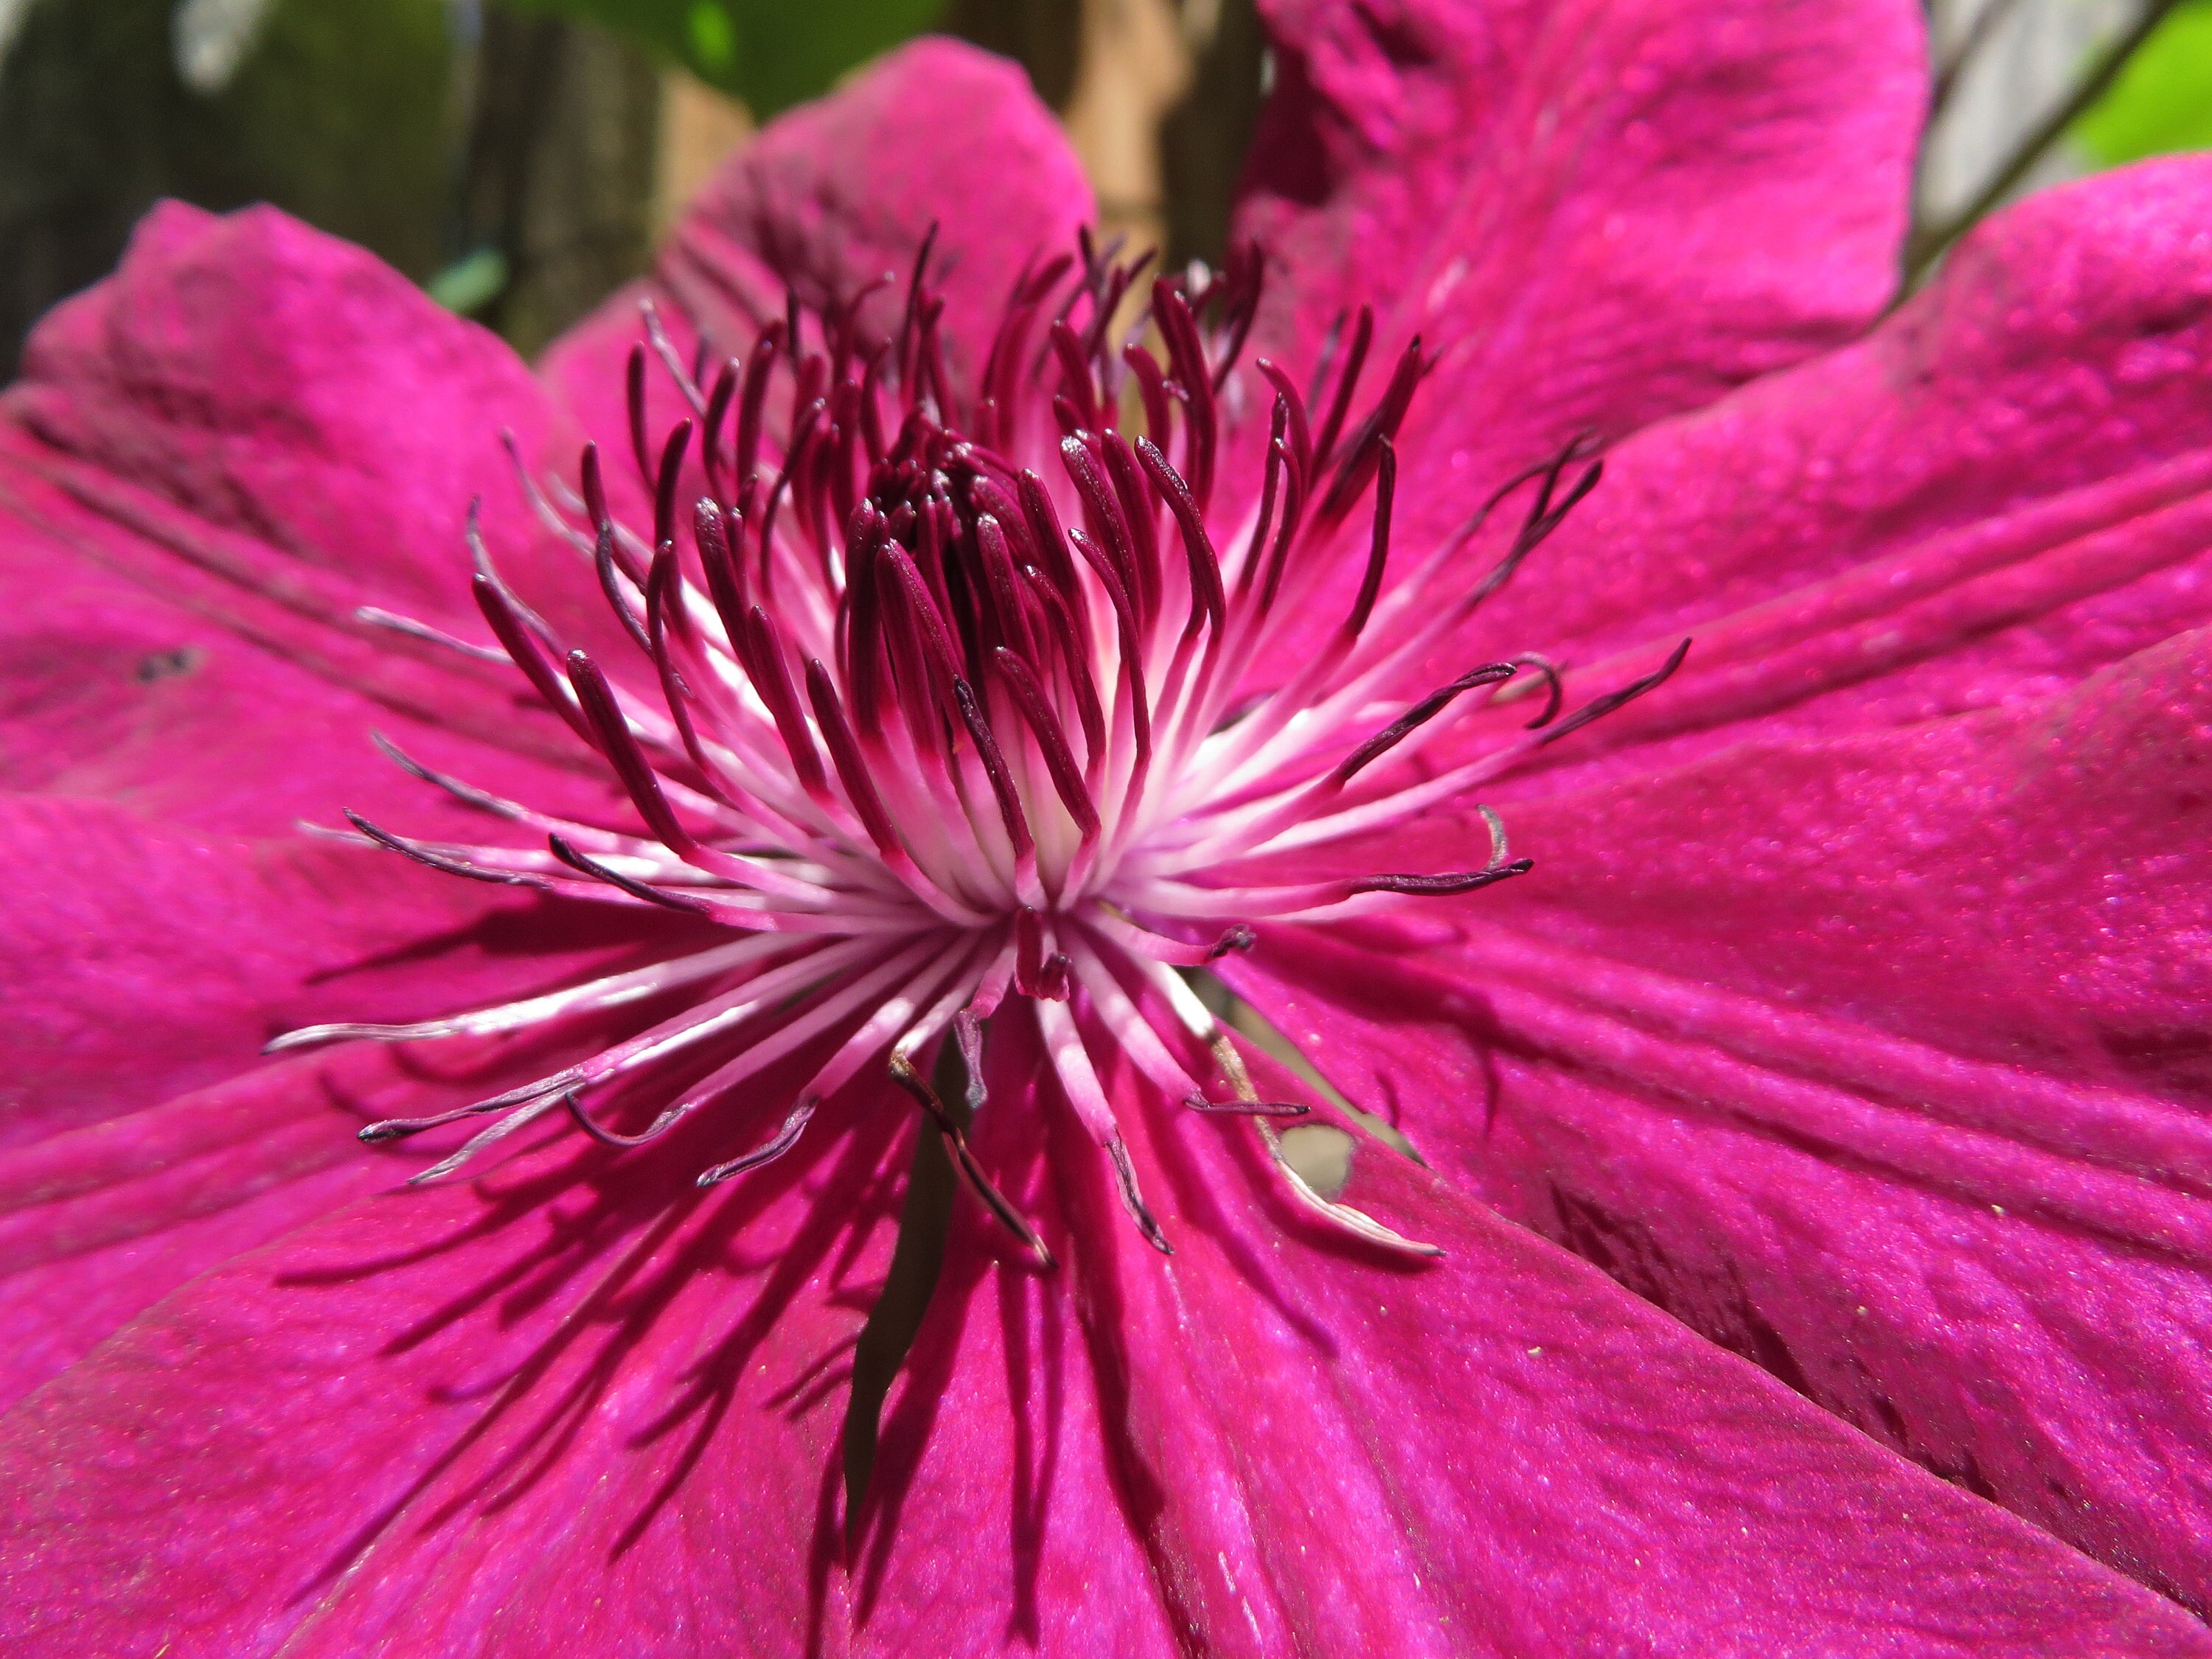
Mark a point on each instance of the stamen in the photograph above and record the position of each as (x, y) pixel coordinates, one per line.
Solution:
(660, 1125)
(770, 1150)
(1599, 708)
(1370, 585)
(1324, 450)
(634, 386)
(946, 593)
(1125, 1177)
(664, 492)
(577, 860)
(375, 616)
(956, 1141)
(452, 867)
(1029, 698)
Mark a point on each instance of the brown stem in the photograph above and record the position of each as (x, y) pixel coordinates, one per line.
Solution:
(1985, 24)
(1927, 244)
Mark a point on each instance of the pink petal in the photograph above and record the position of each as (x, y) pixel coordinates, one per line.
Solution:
(109, 692)
(136, 963)
(1325, 1451)
(98, 1223)
(264, 426)
(840, 191)
(1601, 213)
(2002, 488)
(1880, 1059)
(571, 1402)
(437, 1417)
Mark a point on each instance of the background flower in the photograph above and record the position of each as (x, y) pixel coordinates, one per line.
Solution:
(1773, 1039)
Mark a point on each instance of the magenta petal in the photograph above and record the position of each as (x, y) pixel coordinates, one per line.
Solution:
(1881, 1059)
(267, 426)
(98, 1223)
(999, 1520)
(1499, 1452)
(138, 964)
(509, 1409)
(109, 692)
(274, 380)
(1599, 212)
(2001, 490)
(838, 192)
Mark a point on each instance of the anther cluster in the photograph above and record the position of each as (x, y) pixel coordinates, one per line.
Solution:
(947, 707)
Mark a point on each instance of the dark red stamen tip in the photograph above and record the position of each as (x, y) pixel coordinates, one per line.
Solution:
(501, 611)
(710, 435)
(603, 560)
(452, 867)
(1599, 708)
(1152, 391)
(573, 1100)
(596, 699)
(1418, 716)
(852, 769)
(1363, 335)
(664, 493)
(1361, 450)
(1125, 1177)
(1554, 693)
(903, 1074)
(1238, 938)
(753, 403)
(595, 488)
(634, 385)
(1206, 593)
(638, 890)
(1248, 1108)
(772, 679)
(1378, 549)
(1294, 410)
(1460, 881)
(994, 768)
(726, 574)
(777, 1144)
(1037, 713)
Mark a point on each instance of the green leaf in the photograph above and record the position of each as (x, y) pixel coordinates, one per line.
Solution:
(2162, 101)
(771, 53)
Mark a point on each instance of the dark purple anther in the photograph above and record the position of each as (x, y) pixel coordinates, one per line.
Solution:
(1360, 457)
(1340, 404)
(1416, 717)
(753, 403)
(772, 679)
(634, 387)
(603, 560)
(596, 699)
(595, 488)
(1206, 594)
(726, 574)
(852, 769)
(1037, 713)
(1152, 391)
(994, 768)
(663, 493)
(1378, 546)
(1463, 881)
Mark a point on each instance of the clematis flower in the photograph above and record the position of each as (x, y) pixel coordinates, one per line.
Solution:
(894, 799)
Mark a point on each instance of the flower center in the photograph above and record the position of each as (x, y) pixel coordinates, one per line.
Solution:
(952, 707)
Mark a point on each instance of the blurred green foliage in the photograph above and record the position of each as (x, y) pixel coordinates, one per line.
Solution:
(343, 113)
(771, 53)
(2162, 101)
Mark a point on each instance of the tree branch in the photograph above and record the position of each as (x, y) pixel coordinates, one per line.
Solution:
(1927, 244)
